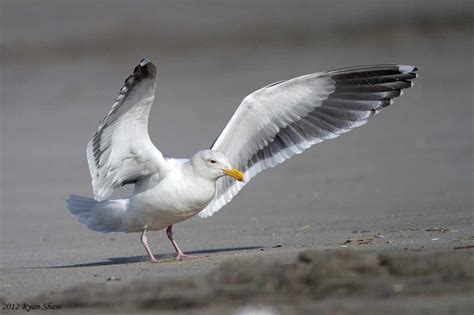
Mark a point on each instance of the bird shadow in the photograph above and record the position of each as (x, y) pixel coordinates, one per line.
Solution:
(137, 259)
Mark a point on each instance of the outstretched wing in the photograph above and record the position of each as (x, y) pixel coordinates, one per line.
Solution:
(121, 151)
(286, 118)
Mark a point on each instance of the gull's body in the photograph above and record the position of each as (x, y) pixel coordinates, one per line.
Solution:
(270, 126)
(161, 202)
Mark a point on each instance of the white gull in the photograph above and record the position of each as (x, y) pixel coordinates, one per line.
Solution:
(271, 125)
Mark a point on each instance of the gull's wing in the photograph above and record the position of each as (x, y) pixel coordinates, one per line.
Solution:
(121, 151)
(287, 117)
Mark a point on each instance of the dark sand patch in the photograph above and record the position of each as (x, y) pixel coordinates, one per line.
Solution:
(331, 281)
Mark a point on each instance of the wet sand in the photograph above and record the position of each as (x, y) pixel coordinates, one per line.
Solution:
(390, 186)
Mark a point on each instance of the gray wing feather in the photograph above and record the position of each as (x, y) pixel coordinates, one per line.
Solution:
(121, 151)
(293, 115)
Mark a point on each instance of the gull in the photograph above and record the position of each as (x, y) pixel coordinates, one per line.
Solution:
(270, 126)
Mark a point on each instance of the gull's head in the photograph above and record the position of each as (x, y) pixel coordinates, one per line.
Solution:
(212, 165)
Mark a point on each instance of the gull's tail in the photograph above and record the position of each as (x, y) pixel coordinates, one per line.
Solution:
(103, 216)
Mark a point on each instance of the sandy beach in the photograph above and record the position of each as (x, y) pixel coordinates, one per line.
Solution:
(398, 190)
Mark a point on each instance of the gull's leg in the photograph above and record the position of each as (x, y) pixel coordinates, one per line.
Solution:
(144, 240)
(180, 255)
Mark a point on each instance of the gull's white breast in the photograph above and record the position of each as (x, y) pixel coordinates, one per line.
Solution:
(176, 197)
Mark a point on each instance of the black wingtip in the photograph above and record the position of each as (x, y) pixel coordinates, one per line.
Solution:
(145, 69)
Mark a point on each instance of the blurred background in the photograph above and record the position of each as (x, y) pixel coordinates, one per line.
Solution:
(63, 62)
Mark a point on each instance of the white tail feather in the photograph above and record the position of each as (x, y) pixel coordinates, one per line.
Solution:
(103, 216)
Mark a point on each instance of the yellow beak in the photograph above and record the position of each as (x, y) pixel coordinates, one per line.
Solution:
(235, 173)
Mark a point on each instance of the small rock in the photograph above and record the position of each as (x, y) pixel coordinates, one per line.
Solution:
(277, 246)
(304, 227)
(438, 229)
(398, 287)
(114, 279)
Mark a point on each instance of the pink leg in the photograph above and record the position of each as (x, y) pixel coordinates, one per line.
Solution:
(180, 255)
(144, 240)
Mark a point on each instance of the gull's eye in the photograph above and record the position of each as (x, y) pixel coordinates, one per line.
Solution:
(212, 161)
